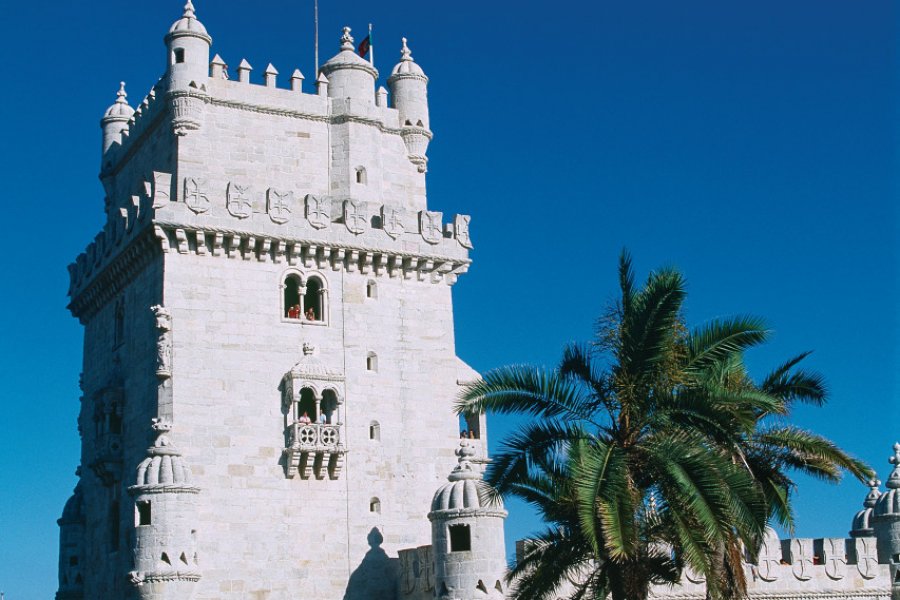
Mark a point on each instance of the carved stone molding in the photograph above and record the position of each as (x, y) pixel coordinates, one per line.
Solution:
(163, 341)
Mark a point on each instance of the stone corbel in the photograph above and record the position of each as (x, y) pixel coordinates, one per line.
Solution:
(201, 242)
(264, 250)
(217, 244)
(163, 238)
(182, 240)
(250, 249)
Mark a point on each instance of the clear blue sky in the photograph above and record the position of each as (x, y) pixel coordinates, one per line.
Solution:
(751, 144)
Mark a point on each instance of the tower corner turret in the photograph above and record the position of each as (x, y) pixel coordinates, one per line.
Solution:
(409, 90)
(115, 120)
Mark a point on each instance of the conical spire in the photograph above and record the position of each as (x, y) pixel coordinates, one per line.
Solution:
(189, 10)
(121, 95)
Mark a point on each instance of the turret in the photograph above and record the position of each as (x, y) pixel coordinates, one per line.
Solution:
(467, 535)
(862, 521)
(348, 74)
(409, 90)
(115, 119)
(165, 558)
(188, 45)
(71, 548)
(886, 522)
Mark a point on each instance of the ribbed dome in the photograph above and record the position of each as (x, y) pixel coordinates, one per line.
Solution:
(862, 521)
(347, 58)
(465, 486)
(310, 367)
(73, 511)
(120, 110)
(188, 23)
(407, 66)
(889, 501)
(164, 464)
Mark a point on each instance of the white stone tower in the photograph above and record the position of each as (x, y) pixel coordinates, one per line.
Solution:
(467, 535)
(165, 554)
(71, 548)
(886, 523)
(271, 281)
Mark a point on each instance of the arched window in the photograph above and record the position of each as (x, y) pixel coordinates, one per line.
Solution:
(372, 362)
(178, 54)
(143, 512)
(313, 301)
(371, 289)
(307, 405)
(375, 505)
(374, 431)
(292, 296)
(329, 406)
(361, 175)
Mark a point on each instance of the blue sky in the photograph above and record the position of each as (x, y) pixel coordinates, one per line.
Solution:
(752, 145)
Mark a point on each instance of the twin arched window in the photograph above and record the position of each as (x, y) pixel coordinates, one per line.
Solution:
(322, 410)
(304, 300)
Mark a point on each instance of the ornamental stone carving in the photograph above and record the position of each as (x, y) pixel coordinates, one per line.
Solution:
(835, 557)
(163, 342)
(238, 201)
(461, 230)
(162, 185)
(278, 205)
(196, 195)
(187, 113)
(392, 222)
(866, 557)
(802, 559)
(355, 216)
(769, 556)
(430, 226)
(318, 211)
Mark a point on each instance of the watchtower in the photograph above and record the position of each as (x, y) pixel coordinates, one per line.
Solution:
(272, 284)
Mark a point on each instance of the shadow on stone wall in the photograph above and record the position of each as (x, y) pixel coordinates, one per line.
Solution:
(376, 576)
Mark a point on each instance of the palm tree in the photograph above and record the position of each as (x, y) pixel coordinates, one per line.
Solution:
(655, 458)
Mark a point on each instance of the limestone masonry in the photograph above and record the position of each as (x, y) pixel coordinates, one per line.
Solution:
(269, 363)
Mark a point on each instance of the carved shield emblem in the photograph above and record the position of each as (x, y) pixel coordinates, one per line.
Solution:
(801, 559)
(866, 557)
(461, 228)
(392, 222)
(162, 183)
(769, 557)
(835, 558)
(196, 195)
(426, 559)
(354, 216)
(278, 205)
(408, 562)
(318, 211)
(238, 200)
(430, 226)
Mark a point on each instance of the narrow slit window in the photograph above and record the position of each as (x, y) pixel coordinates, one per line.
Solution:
(179, 55)
(143, 510)
(372, 362)
(371, 290)
(375, 506)
(361, 175)
(375, 431)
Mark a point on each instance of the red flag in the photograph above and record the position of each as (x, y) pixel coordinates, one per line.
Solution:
(364, 46)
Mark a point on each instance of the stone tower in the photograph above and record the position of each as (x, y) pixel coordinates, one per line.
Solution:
(271, 282)
(467, 535)
(886, 523)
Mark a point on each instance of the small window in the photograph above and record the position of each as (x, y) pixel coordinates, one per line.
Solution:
(460, 538)
(361, 175)
(143, 510)
(312, 300)
(371, 289)
(372, 362)
(375, 506)
(292, 297)
(179, 55)
(374, 431)
(114, 526)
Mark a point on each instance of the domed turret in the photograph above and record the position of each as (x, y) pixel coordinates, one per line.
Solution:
(165, 558)
(467, 534)
(409, 90)
(188, 44)
(116, 118)
(862, 521)
(886, 515)
(350, 75)
(71, 548)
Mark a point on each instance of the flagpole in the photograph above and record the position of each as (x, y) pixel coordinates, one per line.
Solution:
(371, 47)
(316, 19)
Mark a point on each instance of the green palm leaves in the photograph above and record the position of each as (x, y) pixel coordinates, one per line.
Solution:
(651, 449)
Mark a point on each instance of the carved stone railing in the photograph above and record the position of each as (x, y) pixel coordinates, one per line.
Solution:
(314, 449)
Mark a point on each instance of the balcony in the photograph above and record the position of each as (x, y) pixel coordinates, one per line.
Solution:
(314, 449)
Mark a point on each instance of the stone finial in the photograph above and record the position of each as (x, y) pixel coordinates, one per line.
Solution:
(893, 481)
(161, 426)
(271, 73)
(189, 10)
(297, 80)
(405, 52)
(347, 40)
(464, 469)
(244, 71)
(874, 493)
(121, 95)
(381, 97)
(308, 349)
(219, 68)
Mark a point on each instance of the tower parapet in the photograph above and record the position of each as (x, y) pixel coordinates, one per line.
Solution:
(165, 556)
